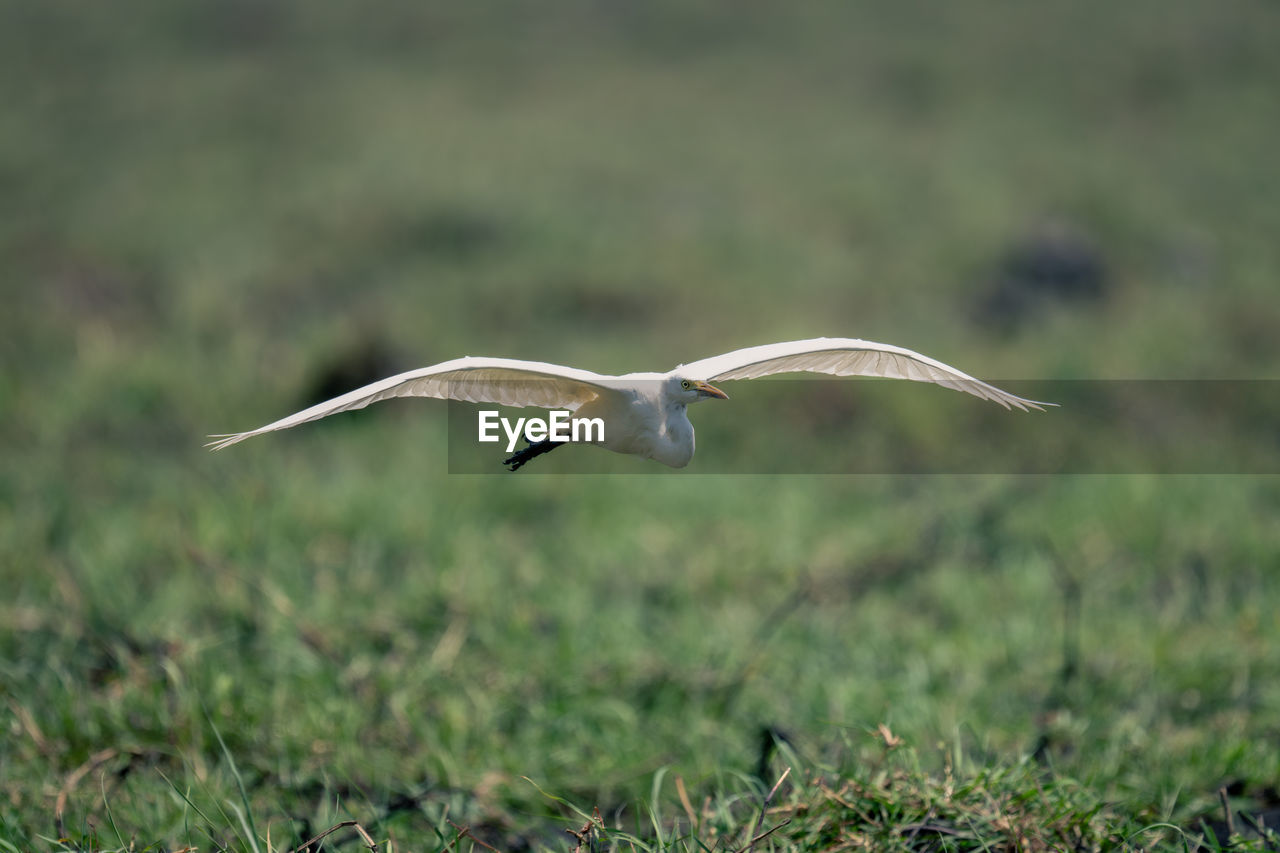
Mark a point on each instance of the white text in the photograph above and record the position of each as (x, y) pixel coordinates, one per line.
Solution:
(559, 426)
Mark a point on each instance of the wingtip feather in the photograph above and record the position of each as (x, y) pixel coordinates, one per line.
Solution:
(225, 440)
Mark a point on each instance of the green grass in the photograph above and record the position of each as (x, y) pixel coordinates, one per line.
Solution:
(203, 207)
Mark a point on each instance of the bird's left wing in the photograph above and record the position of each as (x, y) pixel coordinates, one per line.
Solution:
(505, 381)
(846, 357)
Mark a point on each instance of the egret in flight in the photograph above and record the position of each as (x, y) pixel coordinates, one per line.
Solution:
(645, 414)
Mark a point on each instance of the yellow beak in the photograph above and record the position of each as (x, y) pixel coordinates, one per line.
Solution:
(709, 391)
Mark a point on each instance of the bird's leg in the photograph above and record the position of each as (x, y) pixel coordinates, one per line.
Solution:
(532, 450)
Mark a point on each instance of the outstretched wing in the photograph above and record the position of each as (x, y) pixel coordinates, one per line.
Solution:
(846, 357)
(504, 381)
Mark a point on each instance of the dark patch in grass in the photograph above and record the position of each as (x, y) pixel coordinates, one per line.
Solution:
(1245, 813)
(1056, 264)
(451, 233)
(771, 738)
(367, 361)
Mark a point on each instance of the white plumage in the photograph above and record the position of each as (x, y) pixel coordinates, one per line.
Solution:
(644, 413)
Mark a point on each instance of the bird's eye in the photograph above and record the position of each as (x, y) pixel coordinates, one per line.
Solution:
(684, 383)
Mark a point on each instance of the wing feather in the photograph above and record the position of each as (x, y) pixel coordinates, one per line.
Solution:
(846, 357)
(506, 382)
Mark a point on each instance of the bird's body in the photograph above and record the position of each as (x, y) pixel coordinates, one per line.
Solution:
(630, 425)
(644, 414)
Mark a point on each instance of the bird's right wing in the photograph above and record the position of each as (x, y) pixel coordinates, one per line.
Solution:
(846, 357)
(504, 381)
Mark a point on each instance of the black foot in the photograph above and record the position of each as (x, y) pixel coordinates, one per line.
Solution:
(522, 456)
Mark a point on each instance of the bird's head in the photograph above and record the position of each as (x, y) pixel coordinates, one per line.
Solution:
(687, 391)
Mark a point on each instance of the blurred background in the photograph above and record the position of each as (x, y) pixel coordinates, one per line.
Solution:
(215, 213)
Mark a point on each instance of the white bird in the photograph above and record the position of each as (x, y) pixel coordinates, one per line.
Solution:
(645, 414)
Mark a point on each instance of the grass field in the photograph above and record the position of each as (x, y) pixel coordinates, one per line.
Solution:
(208, 209)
